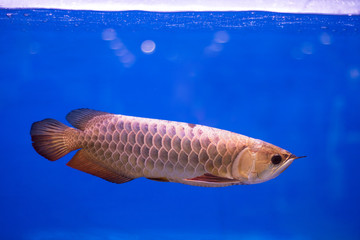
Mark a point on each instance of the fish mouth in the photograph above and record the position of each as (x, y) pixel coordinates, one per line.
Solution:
(295, 157)
(284, 166)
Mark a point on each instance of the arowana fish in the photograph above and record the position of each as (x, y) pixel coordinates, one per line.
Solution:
(121, 148)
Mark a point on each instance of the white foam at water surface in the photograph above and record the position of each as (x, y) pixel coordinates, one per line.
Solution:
(339, 7)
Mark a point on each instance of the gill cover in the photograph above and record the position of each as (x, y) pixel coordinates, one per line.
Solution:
(254, 166)
(243, 165)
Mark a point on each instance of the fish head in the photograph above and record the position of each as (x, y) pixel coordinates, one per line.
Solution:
(260, 162)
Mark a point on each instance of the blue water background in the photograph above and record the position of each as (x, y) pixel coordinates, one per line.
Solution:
(291, 80)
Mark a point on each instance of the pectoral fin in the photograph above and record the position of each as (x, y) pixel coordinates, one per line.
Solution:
(207, 177)
(209, 180)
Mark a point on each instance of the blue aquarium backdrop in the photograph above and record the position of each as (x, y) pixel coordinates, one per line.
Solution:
(289, 79)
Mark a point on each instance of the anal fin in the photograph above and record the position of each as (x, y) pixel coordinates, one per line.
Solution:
(82, 161)
(160, 179)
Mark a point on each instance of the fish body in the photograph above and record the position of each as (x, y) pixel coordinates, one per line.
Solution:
(121, 148)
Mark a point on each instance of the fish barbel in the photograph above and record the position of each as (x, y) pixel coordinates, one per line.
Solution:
(121, 148)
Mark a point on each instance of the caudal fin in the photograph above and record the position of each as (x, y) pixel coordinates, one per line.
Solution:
(51, 138)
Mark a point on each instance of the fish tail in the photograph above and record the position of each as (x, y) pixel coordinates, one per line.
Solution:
(53, 139)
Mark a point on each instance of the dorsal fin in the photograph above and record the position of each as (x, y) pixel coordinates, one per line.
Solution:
(80, 117)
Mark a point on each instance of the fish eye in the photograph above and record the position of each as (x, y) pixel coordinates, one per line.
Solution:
(276, 159)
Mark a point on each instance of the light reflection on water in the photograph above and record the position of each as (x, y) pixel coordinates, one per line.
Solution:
(148, 46)
(125, 56)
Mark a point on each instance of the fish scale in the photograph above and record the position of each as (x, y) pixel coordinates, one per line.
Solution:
(120, 148)
(142, 140)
